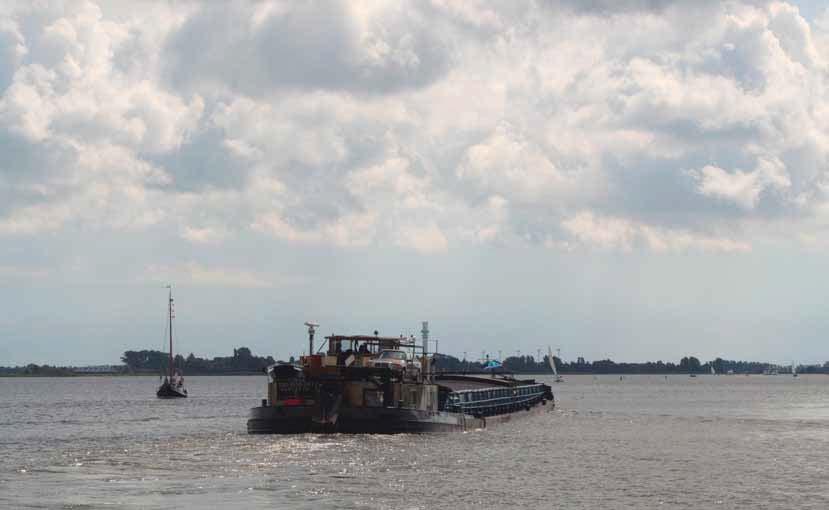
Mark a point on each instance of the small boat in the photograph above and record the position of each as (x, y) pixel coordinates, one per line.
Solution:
(551, 361)
(794, 370)
(491, 365)
(173, 384)
(692, 375)
(713, 372)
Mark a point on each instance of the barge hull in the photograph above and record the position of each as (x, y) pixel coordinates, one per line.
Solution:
(300, 420)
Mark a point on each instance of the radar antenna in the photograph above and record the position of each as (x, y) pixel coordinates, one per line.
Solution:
(312, 327)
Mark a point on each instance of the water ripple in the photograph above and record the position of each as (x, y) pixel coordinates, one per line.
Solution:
(725, 442)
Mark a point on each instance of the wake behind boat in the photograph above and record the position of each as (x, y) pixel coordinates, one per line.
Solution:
(173, 383)
(373, 384)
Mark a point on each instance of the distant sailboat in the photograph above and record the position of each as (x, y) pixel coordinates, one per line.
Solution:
(173, 384)
(552, 363)
(794, 369)
(713, 372)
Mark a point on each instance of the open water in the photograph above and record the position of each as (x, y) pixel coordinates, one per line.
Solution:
(639, 442)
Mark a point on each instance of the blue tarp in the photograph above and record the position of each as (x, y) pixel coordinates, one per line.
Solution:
(492, 365)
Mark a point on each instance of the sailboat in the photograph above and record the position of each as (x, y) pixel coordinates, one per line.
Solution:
(713, 372)
(173, 384)
(794, 369)
(552, 363)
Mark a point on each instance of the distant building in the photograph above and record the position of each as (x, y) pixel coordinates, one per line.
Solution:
(98, 369)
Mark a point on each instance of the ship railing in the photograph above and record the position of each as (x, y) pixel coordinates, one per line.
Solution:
(498, 400)
(519, 397)
(510, 392)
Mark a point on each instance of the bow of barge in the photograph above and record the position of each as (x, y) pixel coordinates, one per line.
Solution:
(372, 384)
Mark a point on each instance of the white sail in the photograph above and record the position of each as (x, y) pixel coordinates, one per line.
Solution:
(713, 372)
(551, 362)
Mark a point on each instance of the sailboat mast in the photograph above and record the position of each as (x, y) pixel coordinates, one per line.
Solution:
(170, 318)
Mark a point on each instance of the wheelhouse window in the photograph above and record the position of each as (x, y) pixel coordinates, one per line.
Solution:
(400, 355)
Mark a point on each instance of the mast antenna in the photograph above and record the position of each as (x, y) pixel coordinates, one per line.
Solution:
(426, 365)
(312, 327)
(170, 318)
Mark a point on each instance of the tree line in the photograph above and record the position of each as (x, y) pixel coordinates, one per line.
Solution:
(155, 362)
(686, 365)
(243, 360)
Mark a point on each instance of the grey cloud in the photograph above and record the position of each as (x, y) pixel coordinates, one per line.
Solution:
(203, 161)
(27, 170)
(655, 191)
(618, 5)
(317, 195)
(609, 7)
(12, 51)
(739, 62)
(309, 45)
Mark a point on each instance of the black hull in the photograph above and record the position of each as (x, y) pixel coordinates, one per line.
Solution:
(168, 391)
(301, 419)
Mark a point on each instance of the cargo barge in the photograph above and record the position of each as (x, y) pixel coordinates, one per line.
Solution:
(373, 384)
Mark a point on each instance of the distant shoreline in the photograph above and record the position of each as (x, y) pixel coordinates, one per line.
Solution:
(114, 374)
(517, 374)
(244, 362)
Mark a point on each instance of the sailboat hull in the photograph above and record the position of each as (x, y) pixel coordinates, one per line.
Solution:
(167, 390)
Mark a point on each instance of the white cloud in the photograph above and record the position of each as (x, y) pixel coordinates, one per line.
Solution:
(506, 164)
(743, 188)
(589, 229)
(12, 50)
(351, 230)
(100, 187)
(426, 125)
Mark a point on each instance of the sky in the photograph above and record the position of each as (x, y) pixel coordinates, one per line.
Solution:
(633, 179)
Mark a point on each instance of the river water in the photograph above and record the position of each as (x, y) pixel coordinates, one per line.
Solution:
(636, 442)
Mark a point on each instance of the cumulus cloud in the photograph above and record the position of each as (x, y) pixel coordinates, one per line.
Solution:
(587, 228)
(12, 50)
(743, 188)
(655, 125)
(257, 49)
(513, 166)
